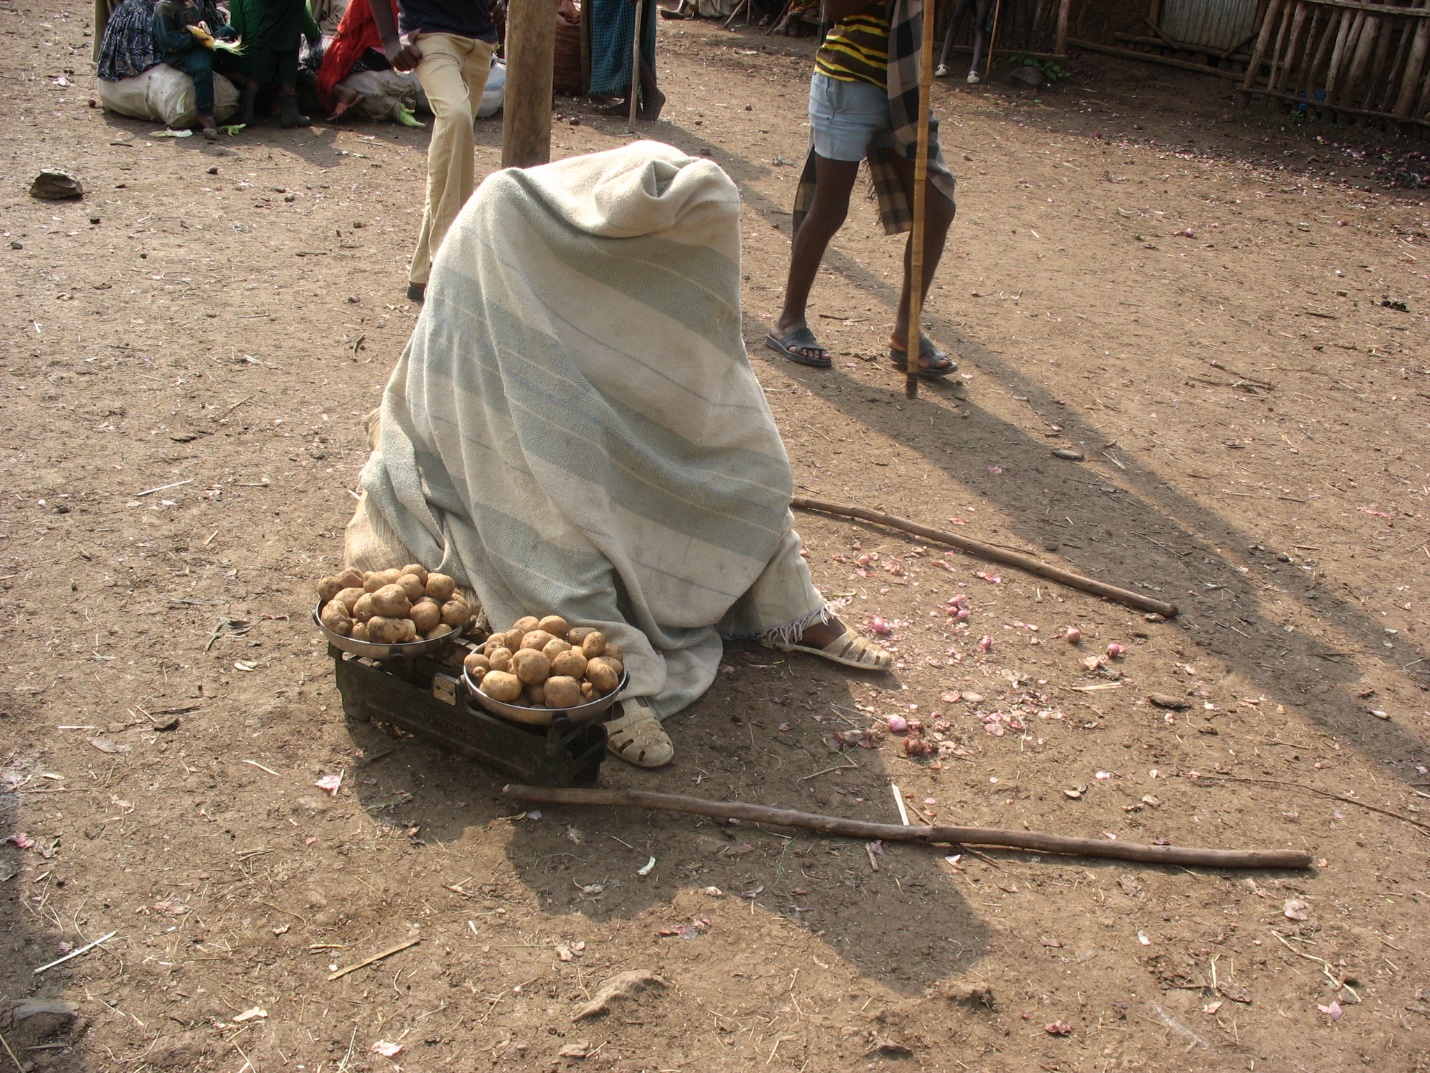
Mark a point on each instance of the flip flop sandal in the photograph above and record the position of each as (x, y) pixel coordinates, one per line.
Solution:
(848, 649)
(637, 737)
(927, 349)
(803, 339)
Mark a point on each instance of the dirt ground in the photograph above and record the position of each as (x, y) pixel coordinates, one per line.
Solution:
(1221, 309)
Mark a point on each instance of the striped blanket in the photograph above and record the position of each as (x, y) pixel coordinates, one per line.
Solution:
(575, 427)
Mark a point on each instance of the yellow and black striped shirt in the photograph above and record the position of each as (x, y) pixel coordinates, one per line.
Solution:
(857, 48)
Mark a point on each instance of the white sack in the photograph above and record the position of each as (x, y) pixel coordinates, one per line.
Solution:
(165, 95)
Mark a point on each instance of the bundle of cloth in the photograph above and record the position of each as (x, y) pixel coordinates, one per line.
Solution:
(575, 428)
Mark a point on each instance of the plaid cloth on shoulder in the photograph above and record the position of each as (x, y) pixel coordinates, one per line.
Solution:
(896, 212)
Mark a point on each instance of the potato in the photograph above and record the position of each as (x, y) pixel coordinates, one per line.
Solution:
(530, 666)
(376, 580)
(439, 630)
(351, 579)
(569, 663)
(425, 614)
(328, 588)
(577, 634)
(616, 665)
(362, 607)
(554, 647)
(602, 678)
(562, 691)
(386, 631)
(533, 696)
(593, 644)
(414, 589)
(526, 624)
(554, 625)
(476, 665)
(409, 631)
(416, 570)
(348, 597)
(440, 587)
(499, 685)
(500, 659)
(359, 632)
(614, 651)
(536, 639)
(391, 602)
(588, 692)
(456, 613)
(335, 617)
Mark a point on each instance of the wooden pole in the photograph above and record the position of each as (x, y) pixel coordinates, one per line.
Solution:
(914, 341)
(530, 68)
(1411, 78)
(994, 554)
(1060, 39)
(1253, 69)
(893, 832)
(635, 65)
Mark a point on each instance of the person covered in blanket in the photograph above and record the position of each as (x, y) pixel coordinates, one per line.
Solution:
(574, 428)
(863, 104)
(184, 31)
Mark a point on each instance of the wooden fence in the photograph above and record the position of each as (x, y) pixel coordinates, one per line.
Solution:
(1344, 57)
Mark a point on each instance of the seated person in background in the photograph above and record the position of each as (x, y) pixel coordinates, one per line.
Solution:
(128, 47)
(356, 46)
(575, 429)
(186, 52)
(271, 32)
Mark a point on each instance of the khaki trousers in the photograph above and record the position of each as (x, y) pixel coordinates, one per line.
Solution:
(453, 73)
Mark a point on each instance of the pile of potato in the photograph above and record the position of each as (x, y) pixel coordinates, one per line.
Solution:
(392, 607)
(546, 663)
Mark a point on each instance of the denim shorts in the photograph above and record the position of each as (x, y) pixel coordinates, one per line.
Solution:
(848, 118)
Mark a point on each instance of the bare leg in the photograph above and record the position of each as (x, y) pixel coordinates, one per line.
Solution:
(834, 182)
(980, 38)
(955, 16)
(652, 99)
(938, 217)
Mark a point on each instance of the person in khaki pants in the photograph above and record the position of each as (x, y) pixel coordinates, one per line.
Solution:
(449, 44)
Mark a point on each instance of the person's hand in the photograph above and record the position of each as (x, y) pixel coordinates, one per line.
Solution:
(403, 53)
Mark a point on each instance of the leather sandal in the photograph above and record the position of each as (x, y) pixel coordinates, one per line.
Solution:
(637, 737)
(848, 649)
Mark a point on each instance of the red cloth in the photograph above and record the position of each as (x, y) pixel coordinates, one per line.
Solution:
(356, 33)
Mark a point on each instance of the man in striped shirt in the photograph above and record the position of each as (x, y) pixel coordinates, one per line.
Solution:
(850, 118)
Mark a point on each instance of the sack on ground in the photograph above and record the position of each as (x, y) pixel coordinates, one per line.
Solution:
(494, 96)
(385, 92)
(165, 95)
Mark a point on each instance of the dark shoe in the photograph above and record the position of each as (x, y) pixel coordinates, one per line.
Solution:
(289, 116)
(800, 345)
(209, 127)
(934, 364)
(246, 100)
(417, 292)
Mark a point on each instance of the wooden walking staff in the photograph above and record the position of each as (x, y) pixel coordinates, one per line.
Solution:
(913, 344)
(635, 64)
(1035, 841)
(992, 40)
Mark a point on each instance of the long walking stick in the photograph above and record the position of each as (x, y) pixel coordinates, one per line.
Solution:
(636, 65)
(913, 344)
(992, 40)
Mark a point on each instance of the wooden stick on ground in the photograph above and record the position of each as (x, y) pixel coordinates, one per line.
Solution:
(892, 832)
(994, 554)
(375, 958)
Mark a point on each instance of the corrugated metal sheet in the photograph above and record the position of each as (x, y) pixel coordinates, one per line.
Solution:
(1218, 24)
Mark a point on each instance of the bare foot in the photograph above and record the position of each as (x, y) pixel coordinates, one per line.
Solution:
(651, 106)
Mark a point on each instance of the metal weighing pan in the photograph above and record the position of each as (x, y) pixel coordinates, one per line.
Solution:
(540, 717)
(377, 651)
